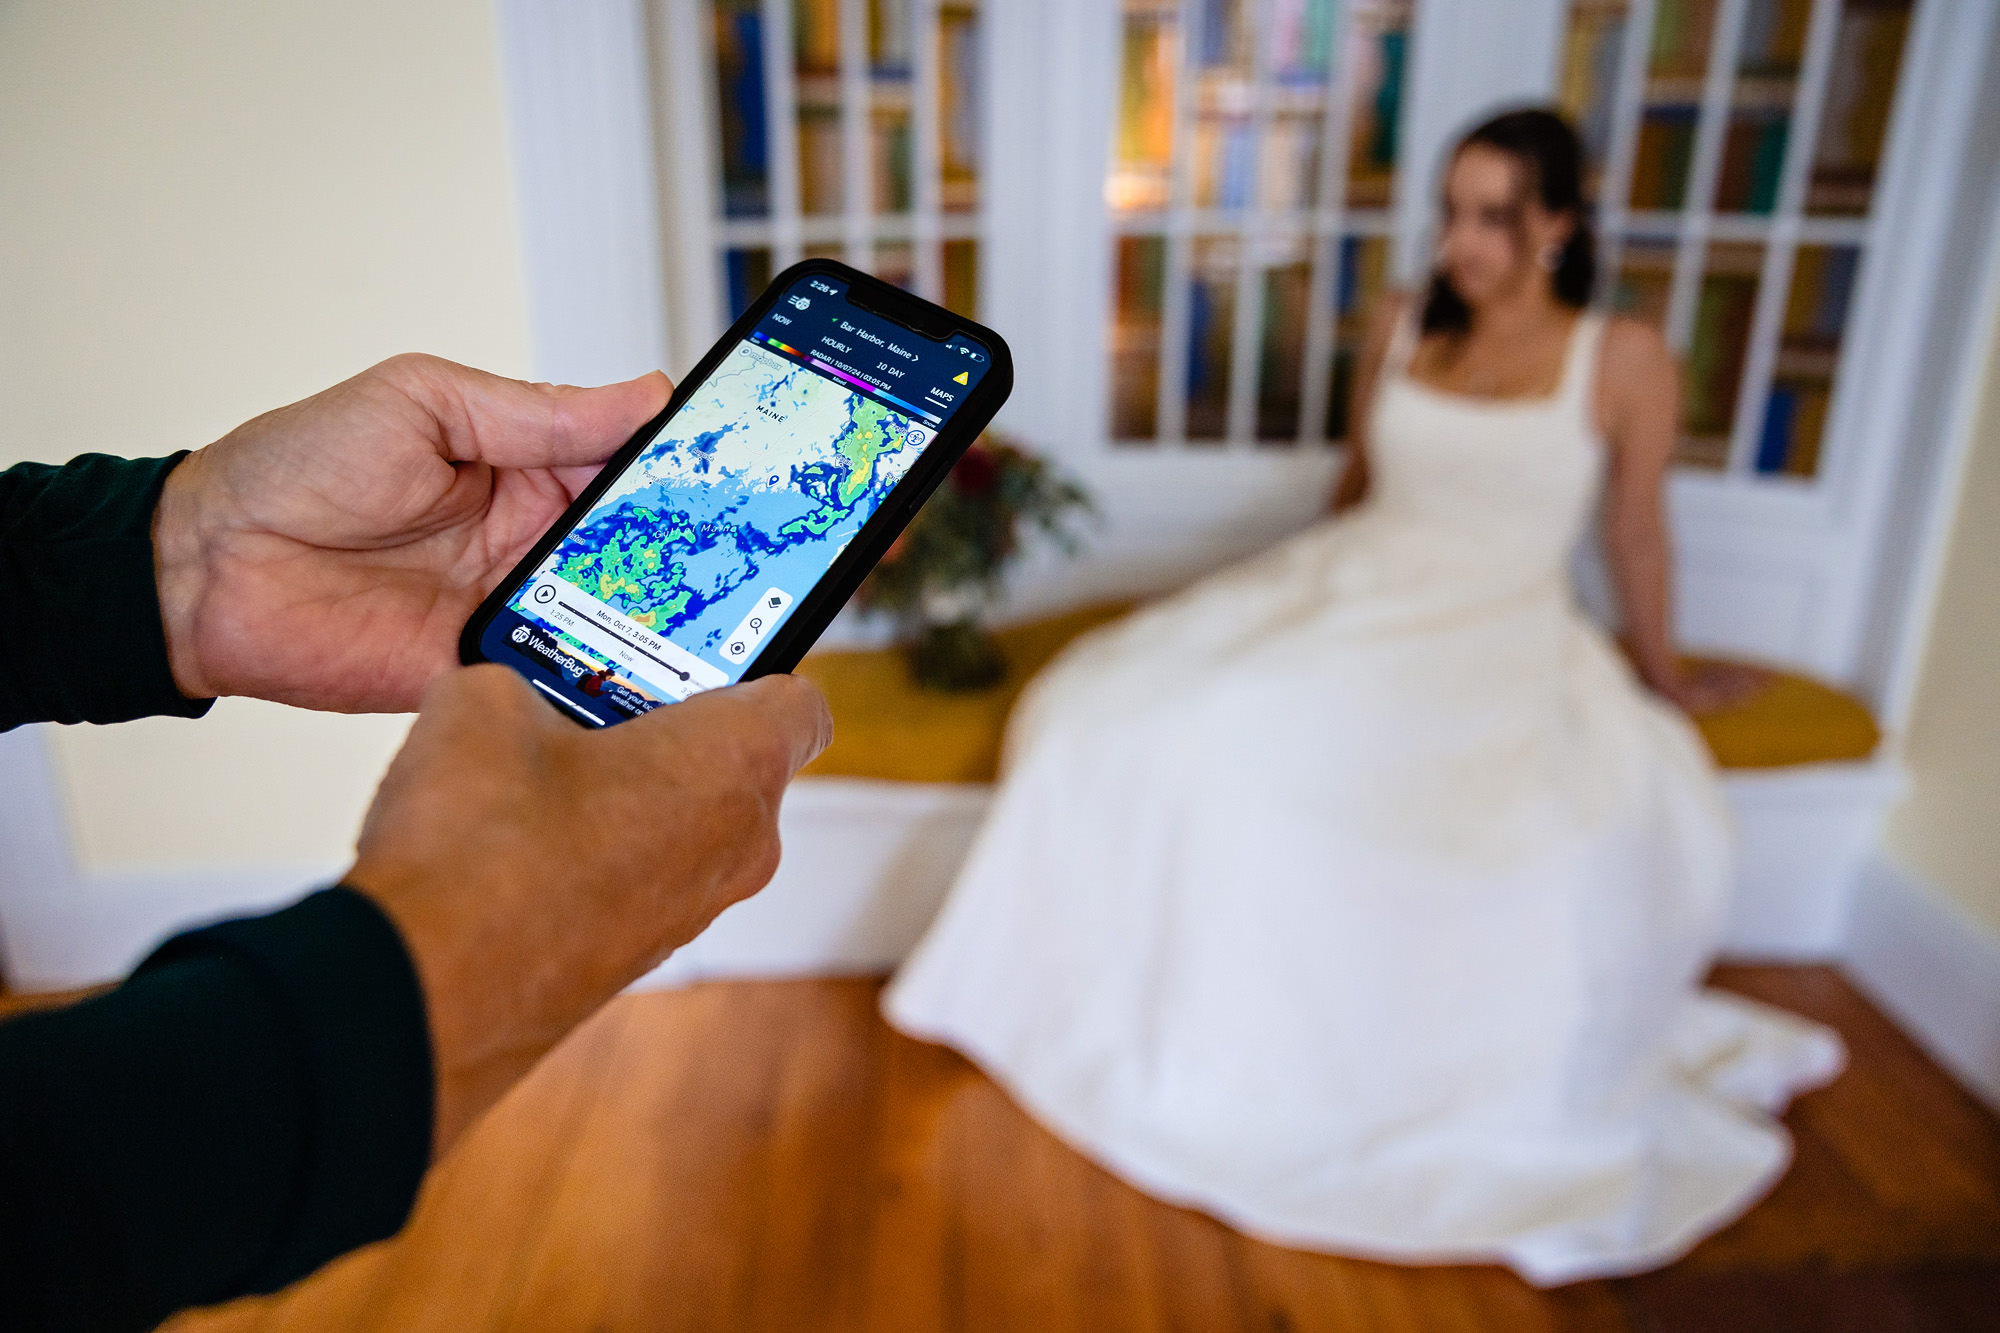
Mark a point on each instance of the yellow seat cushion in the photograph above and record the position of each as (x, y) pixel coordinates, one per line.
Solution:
(886, 727)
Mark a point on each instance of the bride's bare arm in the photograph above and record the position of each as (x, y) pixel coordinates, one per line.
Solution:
(1638, 405)
(1352, 488)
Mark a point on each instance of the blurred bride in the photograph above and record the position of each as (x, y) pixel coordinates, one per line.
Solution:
(1360, 895)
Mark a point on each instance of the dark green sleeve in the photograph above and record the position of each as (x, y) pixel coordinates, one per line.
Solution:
(253, 1101)
(82, 640)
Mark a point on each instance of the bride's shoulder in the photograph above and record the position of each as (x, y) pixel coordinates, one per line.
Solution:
(1638, 383)
(1633, 347)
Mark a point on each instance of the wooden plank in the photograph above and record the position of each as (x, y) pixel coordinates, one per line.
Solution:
(769, 1155)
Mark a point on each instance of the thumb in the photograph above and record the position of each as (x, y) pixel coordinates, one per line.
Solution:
(514, 424)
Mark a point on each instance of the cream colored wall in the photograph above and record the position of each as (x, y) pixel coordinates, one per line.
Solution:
(209, 208)
(1948, 828)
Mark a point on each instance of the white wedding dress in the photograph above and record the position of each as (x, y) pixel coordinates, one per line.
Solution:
(1360, 896)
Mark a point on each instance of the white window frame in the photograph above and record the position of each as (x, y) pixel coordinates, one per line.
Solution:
(1810, 574)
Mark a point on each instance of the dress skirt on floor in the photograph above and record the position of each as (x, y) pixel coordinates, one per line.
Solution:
(1360, 896)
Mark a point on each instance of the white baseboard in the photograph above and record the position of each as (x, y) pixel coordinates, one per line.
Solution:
(1931, 969)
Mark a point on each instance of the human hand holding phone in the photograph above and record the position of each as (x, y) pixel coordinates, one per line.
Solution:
(326, 554)
(718, 544)
(534, 869)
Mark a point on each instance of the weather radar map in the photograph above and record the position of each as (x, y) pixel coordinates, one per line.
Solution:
(677, 576)
(726, 504)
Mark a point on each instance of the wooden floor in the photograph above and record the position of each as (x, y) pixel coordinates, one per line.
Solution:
(769, 1156)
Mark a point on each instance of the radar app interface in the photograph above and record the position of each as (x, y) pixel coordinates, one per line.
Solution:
(700, 549)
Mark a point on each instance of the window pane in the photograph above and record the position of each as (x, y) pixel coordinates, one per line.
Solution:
(1716, 352)
(1645, 279)
(1666, 148)
(739, 86)
(1301, 54)
(1860, 87)
(1771, 47)
(1590, 79)
(1802, 385)
(889, 80)
(961, 277)
(1211, 321)
(1377, 53)
(895, 262)
(1280, 364)
(1142, 169)
(1223, 149)
(1682, 30)
(1674, 71)
(958, 105)
(1364, 267)
(1135, 337)
(816, 47)
(745, 275)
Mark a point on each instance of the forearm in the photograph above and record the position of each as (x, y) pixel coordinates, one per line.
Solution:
(253, 1101)
(84, 641)
(1641, 568)
(1352, 488)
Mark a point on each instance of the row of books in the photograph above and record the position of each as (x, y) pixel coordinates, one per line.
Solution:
(822, 146)
(1753, 158)
(1771, 41)
(1138, 291)
(1816, 312)
(1137, 304)
(1226, 158)
(1592, 50)
(1142, 165)
(1860, 90)
(816, 36)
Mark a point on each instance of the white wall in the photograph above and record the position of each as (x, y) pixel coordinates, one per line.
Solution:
(1948, 829)
(210, 208)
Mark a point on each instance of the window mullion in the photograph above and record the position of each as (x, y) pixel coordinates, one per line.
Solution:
(1252, 228)
(1329, 215)
(1775, 281)
(1171, 414)
(781, 116)
(1614, 191)
(857, 169)
(927, 168)
(1710, 135)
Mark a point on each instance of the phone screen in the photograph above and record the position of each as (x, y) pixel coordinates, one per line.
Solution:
(740, 503)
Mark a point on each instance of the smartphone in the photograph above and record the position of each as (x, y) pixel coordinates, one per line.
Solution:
(718, 543)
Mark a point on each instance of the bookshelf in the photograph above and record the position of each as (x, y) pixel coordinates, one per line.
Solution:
(1253, 163)
(851, 129)
(1734, 146)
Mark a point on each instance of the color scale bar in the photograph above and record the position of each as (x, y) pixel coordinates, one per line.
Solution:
(875, 390)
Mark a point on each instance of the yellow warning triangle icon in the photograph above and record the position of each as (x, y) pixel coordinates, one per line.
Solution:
(959, 378)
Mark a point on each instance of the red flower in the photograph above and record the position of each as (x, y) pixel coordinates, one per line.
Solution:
(977, 472)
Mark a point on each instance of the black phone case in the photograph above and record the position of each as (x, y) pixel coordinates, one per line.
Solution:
(817, 608)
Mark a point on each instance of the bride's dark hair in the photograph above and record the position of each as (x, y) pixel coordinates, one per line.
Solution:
(1551, 161)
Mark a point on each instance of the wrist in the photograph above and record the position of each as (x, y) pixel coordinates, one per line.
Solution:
(179, 571)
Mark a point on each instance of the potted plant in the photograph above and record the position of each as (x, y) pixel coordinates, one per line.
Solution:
(943, 572)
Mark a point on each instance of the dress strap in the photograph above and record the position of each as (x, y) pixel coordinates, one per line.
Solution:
(1403, 340)
(1580, 365)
